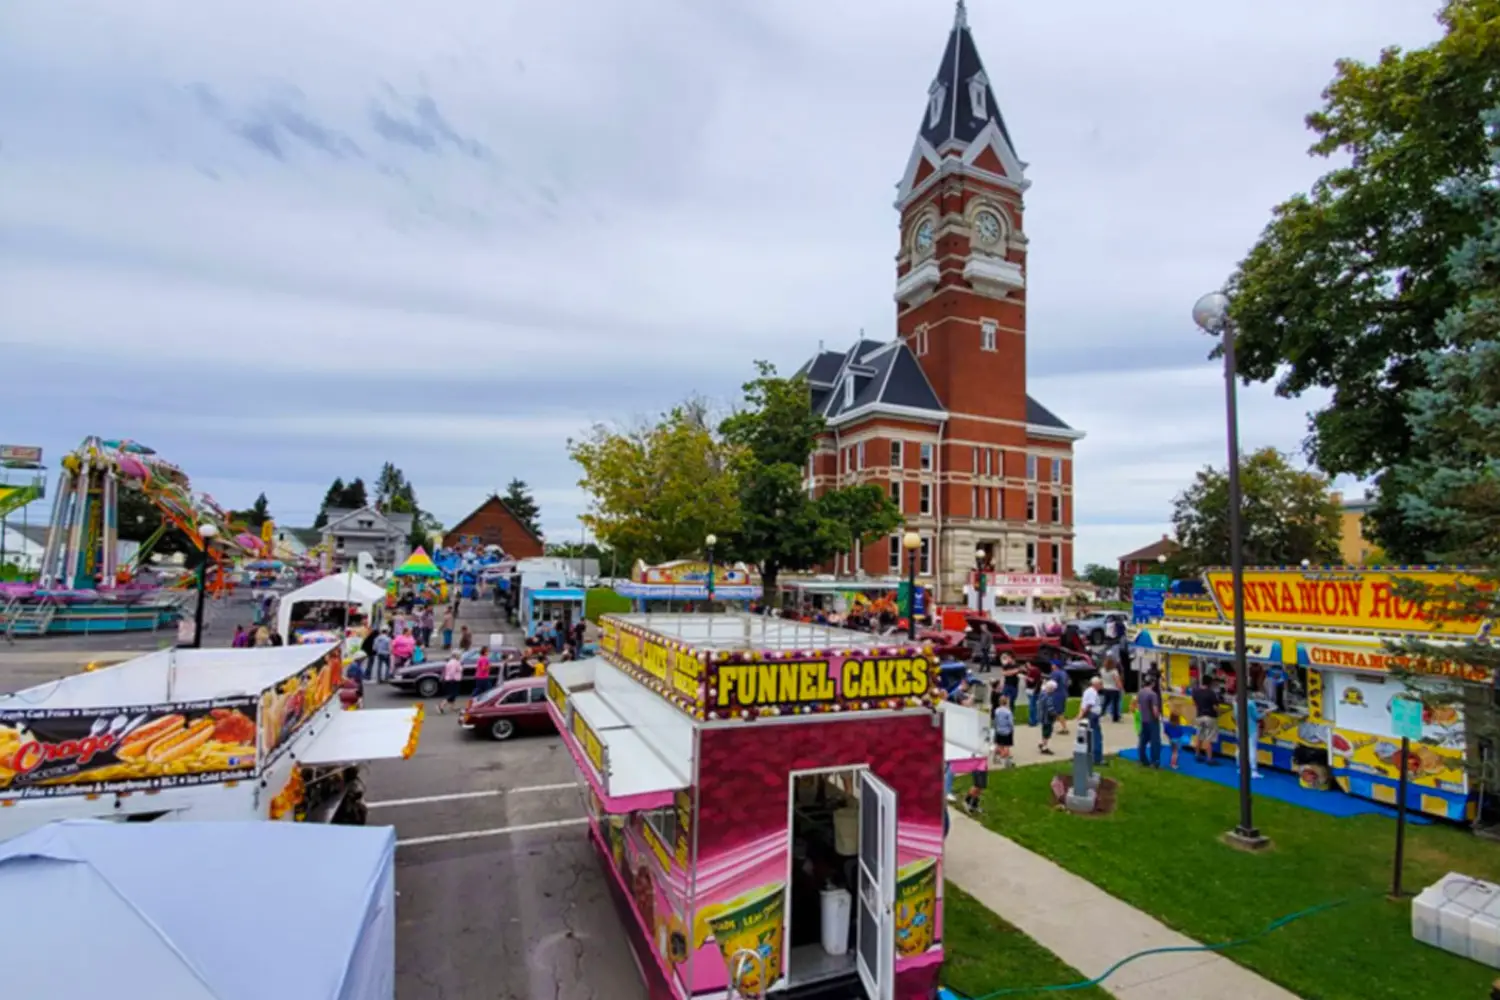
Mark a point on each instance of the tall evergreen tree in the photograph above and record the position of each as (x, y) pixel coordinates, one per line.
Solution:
(1450, 484)
(333, 498)
(523, 505)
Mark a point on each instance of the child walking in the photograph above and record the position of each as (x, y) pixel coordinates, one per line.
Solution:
(1005, 731)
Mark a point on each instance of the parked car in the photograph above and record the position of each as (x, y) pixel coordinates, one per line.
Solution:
(426, 678)
(1095, 628)
(512, 708)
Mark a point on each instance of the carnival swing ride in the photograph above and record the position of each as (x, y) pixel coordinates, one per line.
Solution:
(81, 586)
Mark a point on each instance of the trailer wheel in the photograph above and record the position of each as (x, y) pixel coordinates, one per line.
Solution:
(428, 687)
(502, 729)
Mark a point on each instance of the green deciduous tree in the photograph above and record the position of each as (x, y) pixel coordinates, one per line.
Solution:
(523, 505)
(1345, 288)
(1101, 576)
(781, 526)
(656, 491)
(1288, 515)
(1450, 485)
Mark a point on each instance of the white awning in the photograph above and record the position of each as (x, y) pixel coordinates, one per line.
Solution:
(597, 713)
(362, 734)
(634, 768)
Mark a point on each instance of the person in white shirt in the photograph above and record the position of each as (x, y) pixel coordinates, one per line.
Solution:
(1090, 710)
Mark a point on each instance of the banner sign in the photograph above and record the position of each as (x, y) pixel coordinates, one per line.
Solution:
(20, 454)
(558, 695)
(824, 683)
(1379, 661)
(90, 751)
(287, 706)
(1191, 609)
(588, 740)
(671, 663)
(683, 802)
(609, 636)
(1342, 598)
(1209, 645)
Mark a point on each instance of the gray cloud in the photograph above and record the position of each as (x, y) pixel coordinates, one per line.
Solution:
(285, 242)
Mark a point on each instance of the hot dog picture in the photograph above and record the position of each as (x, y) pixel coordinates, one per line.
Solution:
(180, 743)
(139, 740)
(46, 754)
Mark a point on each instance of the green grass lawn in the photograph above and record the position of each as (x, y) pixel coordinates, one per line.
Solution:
(1022, 711)
(1160, 851)
(983, 954)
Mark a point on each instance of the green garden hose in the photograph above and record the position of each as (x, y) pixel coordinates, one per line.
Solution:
(1276, 924)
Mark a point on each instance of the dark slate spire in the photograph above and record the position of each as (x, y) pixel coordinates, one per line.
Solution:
(960, 101)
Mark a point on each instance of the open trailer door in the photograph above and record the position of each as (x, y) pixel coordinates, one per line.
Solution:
(876, 946)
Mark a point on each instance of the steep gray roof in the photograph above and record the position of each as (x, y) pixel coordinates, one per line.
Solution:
(881, 373)
(1039, 415)
(960, 74)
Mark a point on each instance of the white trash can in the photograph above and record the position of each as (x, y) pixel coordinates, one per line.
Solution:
(836, 907)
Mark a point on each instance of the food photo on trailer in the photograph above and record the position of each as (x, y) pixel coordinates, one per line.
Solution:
(194, 734)
(767, 800)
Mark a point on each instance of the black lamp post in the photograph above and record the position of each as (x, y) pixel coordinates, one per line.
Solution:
(708, 544)
(911, 541)
(1211, 313)
(207, 533)
(979, 584)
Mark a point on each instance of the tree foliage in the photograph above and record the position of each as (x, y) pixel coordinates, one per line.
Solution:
(257, 514)
(1288, 515)
(1450, 485)
(523, 505)
(658, 490)
(1348, 282)
(1106, 577)
(781, 526)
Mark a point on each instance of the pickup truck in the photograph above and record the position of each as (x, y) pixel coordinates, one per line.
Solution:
(1095, 628)
(951, 644)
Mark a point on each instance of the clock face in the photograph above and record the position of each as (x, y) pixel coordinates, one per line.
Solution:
(925, 233)
(988, 227)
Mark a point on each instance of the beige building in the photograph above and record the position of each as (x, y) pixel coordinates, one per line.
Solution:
(1355, 548)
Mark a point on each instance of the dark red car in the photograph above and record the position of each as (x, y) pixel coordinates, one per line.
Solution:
(513, 708)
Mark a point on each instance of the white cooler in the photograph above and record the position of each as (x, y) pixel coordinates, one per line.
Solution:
(836, 908)
(1460, 915)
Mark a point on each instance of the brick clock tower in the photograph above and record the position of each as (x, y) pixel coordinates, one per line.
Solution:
(941, 414)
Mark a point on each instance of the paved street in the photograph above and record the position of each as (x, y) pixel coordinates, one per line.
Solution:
(500, 897)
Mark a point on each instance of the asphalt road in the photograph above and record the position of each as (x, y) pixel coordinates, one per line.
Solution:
(499, 893)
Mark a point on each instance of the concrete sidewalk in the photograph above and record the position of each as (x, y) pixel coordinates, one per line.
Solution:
(1085, 926)
(1117, 736)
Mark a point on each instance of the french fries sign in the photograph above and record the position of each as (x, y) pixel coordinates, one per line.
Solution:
(54, 752)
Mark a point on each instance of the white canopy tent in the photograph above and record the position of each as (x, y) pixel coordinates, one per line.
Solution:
(335, 589)
(262, 920)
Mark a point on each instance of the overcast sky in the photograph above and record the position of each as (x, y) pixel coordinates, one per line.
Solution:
(285, 241)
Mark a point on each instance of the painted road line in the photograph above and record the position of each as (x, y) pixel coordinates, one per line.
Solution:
(458, 796)
(499, 831)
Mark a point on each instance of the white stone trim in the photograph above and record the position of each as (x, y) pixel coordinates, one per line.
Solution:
(1055, 433)
(918, 284)
(889, 410)
(994, 275)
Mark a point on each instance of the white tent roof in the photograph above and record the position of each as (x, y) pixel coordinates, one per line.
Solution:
(172, 675)
(338, 587)
(196, 911)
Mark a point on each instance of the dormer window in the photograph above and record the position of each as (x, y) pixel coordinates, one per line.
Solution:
(935, 103)
(848, 393)
(978, 87)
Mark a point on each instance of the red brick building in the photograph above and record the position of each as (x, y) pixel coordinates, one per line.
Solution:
(941, 414)
(492, 523)
(1145, 562)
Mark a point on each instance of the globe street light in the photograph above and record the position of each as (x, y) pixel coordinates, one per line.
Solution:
(911, 542)
(207, 533)
(1211, 313)
(708, 543)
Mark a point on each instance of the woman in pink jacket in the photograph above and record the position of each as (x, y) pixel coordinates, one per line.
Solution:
(401, 649)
